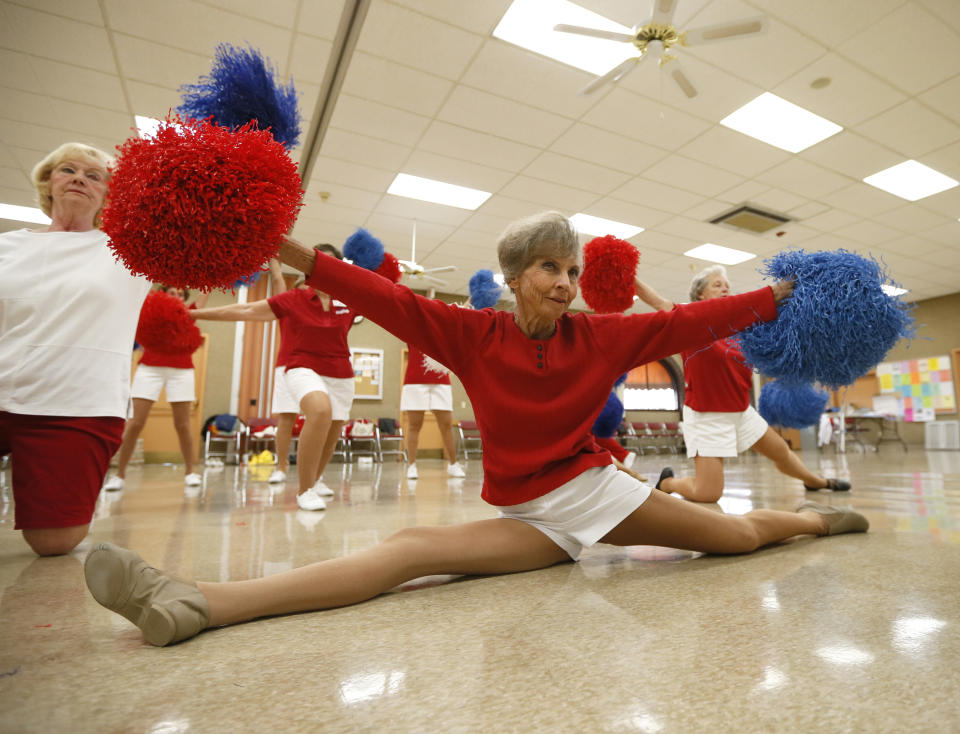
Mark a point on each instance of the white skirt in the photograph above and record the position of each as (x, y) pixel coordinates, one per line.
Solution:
(426, 397)
(721, 434)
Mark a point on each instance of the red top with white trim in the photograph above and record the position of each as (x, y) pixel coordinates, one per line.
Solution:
(421, 372)
(535, 400)
(717, 378)
(286, 342)
(316, 337)
(180, 360)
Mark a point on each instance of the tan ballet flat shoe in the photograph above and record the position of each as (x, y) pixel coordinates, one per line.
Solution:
(839, 519)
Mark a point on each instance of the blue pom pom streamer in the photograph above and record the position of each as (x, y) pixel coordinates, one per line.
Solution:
(241, 87)
(364, 249)
(791, 406)
(605, 426)
(620, 380)
(247, 281)
(484, 290)
(837, 325)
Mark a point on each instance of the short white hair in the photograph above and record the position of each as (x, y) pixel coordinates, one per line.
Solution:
(701, 279)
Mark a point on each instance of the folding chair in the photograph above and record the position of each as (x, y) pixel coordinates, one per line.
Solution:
(390, 438)
(470, 441)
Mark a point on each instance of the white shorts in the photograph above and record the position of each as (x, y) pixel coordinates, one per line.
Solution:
(721, 434)
(578, 513)
(283, 401)
(302, 381)
(149, 381)
(426, 397)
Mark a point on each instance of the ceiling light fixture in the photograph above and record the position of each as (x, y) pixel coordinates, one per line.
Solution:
(598, 226)
(437, 192)
(911, 180)
(784, 125)
(23, 214)
(719, 254)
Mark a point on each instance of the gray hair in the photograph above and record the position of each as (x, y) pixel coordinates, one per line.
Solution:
(525, 240)
(701, 279)
(41, 172)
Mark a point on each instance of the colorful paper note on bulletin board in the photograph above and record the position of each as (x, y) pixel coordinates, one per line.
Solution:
(922, 387)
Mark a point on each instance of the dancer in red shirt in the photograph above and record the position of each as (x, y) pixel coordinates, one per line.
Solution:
(718, 420)
(537, 379)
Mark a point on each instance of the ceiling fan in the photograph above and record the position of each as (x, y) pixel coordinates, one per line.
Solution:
(658, 36)
(416, 271)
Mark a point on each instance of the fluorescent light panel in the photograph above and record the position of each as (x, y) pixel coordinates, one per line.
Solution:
(601, 227)
(911, 180)
(529, 24)
(719, 254)
(437, 192)
(892, 290)
(775, 121)
(23, 214)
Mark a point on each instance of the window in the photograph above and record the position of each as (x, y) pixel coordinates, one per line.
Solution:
(652, 386)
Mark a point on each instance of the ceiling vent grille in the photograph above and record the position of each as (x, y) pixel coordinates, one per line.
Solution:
(750, 219)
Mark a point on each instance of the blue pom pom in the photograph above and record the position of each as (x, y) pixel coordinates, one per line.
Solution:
(247, 281)
(364, 249)
(242, 87)
(791, 406)
(620, 380)
(837, 325)
(484, 290)
(605, 426)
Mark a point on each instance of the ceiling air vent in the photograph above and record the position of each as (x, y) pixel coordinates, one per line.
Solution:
(751, 219)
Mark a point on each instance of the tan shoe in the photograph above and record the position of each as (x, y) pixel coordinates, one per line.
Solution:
(164, 608)
(839, 519)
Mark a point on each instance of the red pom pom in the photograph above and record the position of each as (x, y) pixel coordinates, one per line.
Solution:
(390, 268)
(609, 269)
(200, 206)
(165, 325)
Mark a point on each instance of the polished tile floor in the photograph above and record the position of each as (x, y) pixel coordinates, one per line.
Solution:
(857, 633)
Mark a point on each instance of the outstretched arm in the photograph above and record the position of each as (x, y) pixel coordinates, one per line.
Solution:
(650, 297)
(253, 311)
(277, 283)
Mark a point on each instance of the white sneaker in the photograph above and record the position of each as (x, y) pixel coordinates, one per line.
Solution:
(114, 484)
(412, 471)
(455, 470)
(310, 500)
(629, 459)
(322, 489)
(277, 476)
(193, 480)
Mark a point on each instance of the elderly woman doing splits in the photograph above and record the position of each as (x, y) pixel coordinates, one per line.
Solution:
(536, 381)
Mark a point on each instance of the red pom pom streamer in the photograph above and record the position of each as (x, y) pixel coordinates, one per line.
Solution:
(200, 206)
(390, 268)
(609, 269)
(165, 326)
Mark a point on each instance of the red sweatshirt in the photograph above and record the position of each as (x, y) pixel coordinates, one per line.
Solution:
(417, 372)
(535, 400)
(717, 378)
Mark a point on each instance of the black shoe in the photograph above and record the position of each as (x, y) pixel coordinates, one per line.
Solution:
(665, 474)
(837, 485)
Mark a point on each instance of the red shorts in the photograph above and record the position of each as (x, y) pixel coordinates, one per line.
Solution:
(613, 446)
(58, 466)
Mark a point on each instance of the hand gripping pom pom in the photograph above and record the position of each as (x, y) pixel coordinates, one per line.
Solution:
(390, 268)
(165, 326)
(609, 269)
(837, 325)
(605, 426)
(242, 87)
(364, 249)
(199, 206)
(484, 290)
(791, 406)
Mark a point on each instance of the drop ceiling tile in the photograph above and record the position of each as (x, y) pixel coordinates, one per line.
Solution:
(867, 232)
(946, 202)
(276, 12)
(154, 63)
(808, 211)
(54, 37)
(945, 234)
(890, 53)
(14, 178)
(863, 199)
(460, 173)
(607, 149)
(421, 212)
(831, 220)
(851, 154)
(745, 192)
(903, 266)
(340, 195)
(87, 11)
(475, 17)
(912, 218)
(328, 212)
(654, 241)
(349, 146)
(488, 224)
(150, 100)
(779, 201)
(488, 113)
(634, 116)
(794, 234)
(366, 178)
(946, 10)
(944, 262)
(576, 173)
(707, 210)
(911, 129)
(828, 20)
(501, 205)
(733, 151)
(75, 84)
(657, 195)
(394, 85)
(911, 246)
(377, 120)
(629, 213)
(309, 56)
(320, 18)
(691, 175)
(548, 195)
(407, 37)
(28, 136)
(803, 178)
(479, 147)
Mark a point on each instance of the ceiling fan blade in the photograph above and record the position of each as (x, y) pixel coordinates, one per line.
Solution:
(615, 74)
(433, 280)
(683, 81)
(408, 266)
(663, 11)
(725, 31)
(441, 269)
(594, 32)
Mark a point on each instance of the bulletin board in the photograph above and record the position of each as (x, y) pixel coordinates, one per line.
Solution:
(917, 389)
(367, 373)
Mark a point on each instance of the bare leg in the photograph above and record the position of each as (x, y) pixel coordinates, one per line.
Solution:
(445, 424)
(181, 421)
(55, 541)
(484, 547)
(772, 445)
(412, 436)
(333, 436)
(131, 432)
(315, 407)
(285, 423)
(705, 486)
(670, 522)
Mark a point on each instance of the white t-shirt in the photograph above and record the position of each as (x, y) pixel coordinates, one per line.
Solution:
(68, 317)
